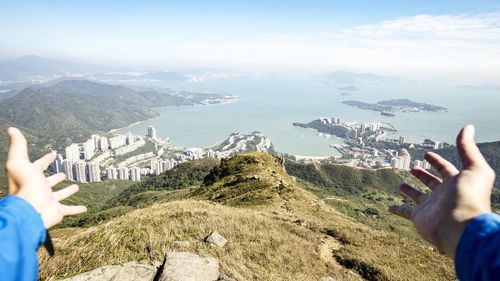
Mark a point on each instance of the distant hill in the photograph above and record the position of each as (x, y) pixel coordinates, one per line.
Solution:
(30, 67)
(277, 230)
(353, 78)
(71, 110)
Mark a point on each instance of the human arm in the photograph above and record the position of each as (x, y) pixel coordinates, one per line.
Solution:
(30, 208)
(457, 198)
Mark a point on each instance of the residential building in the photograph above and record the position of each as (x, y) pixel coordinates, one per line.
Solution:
(88, 149)
(94, 172)
(135, 174)
(112, 173)
(401, 140)
(118, 141)
(72, 152)
(68, 169)
(123, 173)
(152, 132)
(103, 144)
(80, 168)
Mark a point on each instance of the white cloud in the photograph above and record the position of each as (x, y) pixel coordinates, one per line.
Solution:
(460, 47)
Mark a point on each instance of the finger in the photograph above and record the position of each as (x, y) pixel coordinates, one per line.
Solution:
(18, 149)
(412, 192)
(43, 163)
(72, 210)
(55, 179)
(467, 148)
(426, 178)
(65, 192)
(401, 211)
(444, 167)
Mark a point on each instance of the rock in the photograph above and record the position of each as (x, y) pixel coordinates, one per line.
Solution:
(328, 278)
(181, 266)
(216, 239)
(182, 244)
(130, 271)
(224, 277)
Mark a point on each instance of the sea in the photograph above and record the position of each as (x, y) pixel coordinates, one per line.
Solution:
(271, 105)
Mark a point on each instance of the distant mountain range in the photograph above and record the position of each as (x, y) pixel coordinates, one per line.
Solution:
(34, 68)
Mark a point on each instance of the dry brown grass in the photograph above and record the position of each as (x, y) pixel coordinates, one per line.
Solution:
(288, 235)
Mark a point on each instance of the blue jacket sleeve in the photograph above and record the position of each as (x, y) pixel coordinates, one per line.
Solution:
(478, 251)
(21, 234)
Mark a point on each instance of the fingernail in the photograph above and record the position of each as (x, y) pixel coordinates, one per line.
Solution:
(469, 132)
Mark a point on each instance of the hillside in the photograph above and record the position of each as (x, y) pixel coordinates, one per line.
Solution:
(73, 109)
(276, 231)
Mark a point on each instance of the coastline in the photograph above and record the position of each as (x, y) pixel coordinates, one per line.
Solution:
(226, 101)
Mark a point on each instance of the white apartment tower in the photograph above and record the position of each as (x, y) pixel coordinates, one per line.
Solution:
(103, 144)
(88, 149)
(80, 167)
(152, 132)
(94, 172)
(123, 173)
(72, 152)
(112, 173)
(68, 169)
(135, 174)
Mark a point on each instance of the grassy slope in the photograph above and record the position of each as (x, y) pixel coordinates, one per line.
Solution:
(362, 194)
(276, 231)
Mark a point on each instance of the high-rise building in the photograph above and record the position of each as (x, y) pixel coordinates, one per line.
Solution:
(94, 172)
(112, 173)
(375, 126)
(117, 141)
(68, 169)
(130, 138)
(103, 144)
(403, 161)
(123, 173)
(401, 140)
(152, 132)
(95, 139)
(135, 174)
(72, 152)
(80, 168)
(88, 149)
(439, 145)
(57, 165)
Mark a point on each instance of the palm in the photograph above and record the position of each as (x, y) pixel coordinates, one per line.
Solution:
(457, 197)
(28, 181)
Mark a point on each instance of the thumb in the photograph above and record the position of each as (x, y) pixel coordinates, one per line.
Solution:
(467, 149)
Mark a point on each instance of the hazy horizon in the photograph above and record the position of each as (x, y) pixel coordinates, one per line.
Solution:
(453, 40)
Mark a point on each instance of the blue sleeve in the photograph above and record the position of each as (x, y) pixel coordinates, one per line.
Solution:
(21, 234)
(478, 251)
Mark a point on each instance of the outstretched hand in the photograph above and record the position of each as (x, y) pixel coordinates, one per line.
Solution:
(440, 217)
(26, 180)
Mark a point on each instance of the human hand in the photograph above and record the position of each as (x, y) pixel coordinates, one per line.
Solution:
(27, 181)
(440, 217)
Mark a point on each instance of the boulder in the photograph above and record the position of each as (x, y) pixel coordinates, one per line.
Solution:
(130, 271)
(182, 266)
(216, 239)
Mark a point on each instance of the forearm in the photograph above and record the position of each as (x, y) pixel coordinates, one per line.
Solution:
(478, 256)
(21, 234)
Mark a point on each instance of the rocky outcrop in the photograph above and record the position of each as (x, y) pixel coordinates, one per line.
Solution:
(130, 271)
(177, 266)
(182, 266)
(216, 239)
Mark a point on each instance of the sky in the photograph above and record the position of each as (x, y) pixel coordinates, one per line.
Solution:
(449, 39)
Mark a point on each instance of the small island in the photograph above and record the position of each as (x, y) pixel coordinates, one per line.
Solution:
(388, 107)
(349, 88)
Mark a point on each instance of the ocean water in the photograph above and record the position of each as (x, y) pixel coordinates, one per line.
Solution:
(272, 105)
